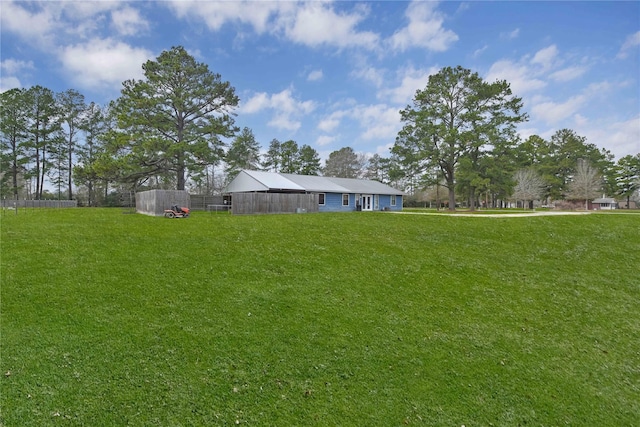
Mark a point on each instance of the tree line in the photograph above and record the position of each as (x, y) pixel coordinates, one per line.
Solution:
(173, 129)
(176, 129)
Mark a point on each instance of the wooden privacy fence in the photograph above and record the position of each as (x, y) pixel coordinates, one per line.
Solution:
(154, 202)
(265, 203)
(207, 203)
(39, 203)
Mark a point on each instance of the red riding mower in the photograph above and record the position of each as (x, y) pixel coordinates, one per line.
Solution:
(176, 212)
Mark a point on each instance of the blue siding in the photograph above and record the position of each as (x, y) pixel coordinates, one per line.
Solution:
(385, 202)
(333, 203)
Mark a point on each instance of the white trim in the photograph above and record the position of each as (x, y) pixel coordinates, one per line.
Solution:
(348, 203)
(324, 199)
(367, 202)
(392, 202)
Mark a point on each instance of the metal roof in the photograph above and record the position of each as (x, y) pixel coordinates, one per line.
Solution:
(316, 183)
(249, 181)
(364, 186)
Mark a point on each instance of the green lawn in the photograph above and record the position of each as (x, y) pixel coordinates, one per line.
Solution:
(356, 319)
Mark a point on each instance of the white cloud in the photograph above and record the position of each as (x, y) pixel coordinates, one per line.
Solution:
(411, 80)
(35, 27)
(285, 122)
(316, 23)
(315, 75)
(330, 123)
(478, 52)
(527, 132)
(308, 23)
(552, 112)
(568, 74)
(368, 73)
(284, 101)
(511, 34)
(599, 88)
(257, 103)
(424, 29)
(546, 57)
(127, 21)
(285, 108)
(81, 10)
(621, 137)
(216, 14)
(384, 150)
(9, 82)
(580, 120)
(379, 121)
(12, 66)
(324, 140)
(48, 23)
(521, 78)
(632, 41)
(103, 63)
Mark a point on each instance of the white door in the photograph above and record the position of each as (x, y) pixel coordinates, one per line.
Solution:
(367, 202)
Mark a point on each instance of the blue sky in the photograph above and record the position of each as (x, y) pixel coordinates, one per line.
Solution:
(336, 74)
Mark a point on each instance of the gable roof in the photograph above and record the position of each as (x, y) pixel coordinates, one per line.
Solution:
(249, 181)
(604, 200)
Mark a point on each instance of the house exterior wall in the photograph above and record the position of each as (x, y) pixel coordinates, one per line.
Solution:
(603, 206)
(333, 203)
(385, 203)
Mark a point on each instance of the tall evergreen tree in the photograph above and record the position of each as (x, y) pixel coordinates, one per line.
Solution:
(344, 163)
(309, 161)
(175, 115)
(566, 150)
(290, 154)
(455, 117)
(244, 153)
(44, 122)
(273, 157)
(13, 135)
(71, 107)
(628, 176)
(94, 127)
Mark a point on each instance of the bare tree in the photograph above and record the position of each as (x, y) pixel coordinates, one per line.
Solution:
(529, 186)
(586, 183)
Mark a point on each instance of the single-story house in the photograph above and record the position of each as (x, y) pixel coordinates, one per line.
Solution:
(604, 203)
(331, 194)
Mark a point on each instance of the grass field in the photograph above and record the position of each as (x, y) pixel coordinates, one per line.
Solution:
(363, 319)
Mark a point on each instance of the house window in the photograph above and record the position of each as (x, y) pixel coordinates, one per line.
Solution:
(321, 199)
(345, 200)
(393, 200)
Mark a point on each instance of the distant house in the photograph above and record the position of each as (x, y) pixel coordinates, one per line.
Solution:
(604, 203)
(327, 194)
(623, 205)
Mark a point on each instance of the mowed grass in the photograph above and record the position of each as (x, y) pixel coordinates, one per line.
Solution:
(356, 319)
